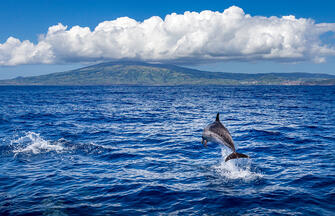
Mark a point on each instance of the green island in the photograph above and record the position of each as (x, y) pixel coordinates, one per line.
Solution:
(140, 73)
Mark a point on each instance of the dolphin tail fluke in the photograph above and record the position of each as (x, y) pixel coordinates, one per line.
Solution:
(236, 155)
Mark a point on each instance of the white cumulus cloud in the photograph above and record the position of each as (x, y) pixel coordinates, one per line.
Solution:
(180, 38)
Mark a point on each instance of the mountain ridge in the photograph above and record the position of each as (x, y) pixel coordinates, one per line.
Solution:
(143, 73)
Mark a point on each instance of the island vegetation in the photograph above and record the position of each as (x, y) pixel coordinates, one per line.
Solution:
(140, 73)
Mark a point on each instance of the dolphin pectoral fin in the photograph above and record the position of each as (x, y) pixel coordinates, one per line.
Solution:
(236, 155)
(204, 142)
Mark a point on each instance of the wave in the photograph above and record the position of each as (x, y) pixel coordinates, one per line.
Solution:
(259, 132)
(33, 143)
(239, 169)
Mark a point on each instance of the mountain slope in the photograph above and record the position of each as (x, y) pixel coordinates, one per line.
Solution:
(139, 73)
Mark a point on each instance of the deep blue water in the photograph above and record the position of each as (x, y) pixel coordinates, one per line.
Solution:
(137, 150)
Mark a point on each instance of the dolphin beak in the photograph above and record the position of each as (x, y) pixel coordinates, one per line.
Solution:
(204, 142)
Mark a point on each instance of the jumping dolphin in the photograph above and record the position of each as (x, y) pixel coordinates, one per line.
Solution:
(217, 133)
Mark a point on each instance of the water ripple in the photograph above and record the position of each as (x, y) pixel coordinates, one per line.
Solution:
(137, 150)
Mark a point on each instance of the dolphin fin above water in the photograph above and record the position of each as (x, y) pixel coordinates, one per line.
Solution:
(217, 117)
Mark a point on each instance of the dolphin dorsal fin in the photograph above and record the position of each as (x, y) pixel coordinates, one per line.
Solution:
(217, 117)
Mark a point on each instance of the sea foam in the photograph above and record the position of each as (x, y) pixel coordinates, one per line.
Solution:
(33, 143)
(235, 169)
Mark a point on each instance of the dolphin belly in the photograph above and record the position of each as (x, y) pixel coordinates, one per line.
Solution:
(215, 138)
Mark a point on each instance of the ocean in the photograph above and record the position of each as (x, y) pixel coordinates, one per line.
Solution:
(136, 150)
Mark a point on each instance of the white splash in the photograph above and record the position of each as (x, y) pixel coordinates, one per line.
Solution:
(235, 169)
(34, 143)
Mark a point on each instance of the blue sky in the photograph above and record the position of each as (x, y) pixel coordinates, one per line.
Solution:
(26, 20)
